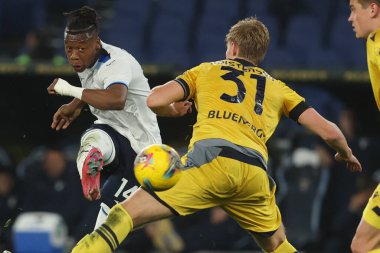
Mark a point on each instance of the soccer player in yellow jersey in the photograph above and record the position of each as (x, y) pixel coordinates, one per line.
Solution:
(239, 106)
(365, 20)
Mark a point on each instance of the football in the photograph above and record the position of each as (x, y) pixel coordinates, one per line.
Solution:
(158, 167)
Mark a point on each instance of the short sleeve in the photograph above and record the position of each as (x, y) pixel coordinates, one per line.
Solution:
(291, 100)
(188, 81)
(115, 71)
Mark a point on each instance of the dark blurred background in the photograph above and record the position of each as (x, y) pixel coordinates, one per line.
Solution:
(313, 49)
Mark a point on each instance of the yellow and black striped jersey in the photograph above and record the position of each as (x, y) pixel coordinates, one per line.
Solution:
(373, 59)
(238, 102)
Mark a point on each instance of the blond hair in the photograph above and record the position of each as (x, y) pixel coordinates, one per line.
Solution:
(365, 3)
(251, 37)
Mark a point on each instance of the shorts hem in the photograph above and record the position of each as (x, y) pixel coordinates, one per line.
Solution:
(263, 234)
(154, 195)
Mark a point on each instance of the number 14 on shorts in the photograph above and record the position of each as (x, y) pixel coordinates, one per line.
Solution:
(125, 193)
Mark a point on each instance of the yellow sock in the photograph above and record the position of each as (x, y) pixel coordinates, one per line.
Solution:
(109, 235)
(285, 247)
(374, 251)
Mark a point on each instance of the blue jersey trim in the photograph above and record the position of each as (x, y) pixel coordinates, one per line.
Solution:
(119, 82)
(104, 57)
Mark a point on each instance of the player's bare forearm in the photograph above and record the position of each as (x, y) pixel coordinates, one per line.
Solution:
(337, 141)
(165, 94)
(165, 111)
(164, 100)
(327, 130)
(332, 135)
(175, 109)
(112, 98)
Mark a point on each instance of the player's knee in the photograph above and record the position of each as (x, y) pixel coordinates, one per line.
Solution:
(283, 247)
(100, 139)
(271, 247)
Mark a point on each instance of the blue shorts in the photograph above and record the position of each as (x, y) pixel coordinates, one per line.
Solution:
(117, 178)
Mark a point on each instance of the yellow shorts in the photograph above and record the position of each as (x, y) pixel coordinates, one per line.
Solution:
(243, 190)
(371, 212)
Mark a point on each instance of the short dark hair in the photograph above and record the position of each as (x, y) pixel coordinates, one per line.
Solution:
(82, 20)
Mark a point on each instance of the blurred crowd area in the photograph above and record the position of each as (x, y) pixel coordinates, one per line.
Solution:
(183, 33)
(320, 200)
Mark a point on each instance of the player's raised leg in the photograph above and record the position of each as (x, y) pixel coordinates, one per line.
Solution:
(96, 150)
(139, 209)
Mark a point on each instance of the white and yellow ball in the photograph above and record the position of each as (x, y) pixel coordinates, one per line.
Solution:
(158, 167)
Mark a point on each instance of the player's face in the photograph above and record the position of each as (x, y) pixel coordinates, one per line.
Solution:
(82, 54)
(360, 19)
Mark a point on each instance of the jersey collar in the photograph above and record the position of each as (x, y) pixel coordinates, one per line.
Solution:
(104, 56)
(244, 62)
(372, 36)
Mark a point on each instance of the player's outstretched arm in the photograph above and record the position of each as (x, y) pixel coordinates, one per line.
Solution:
(332, 135)
(165, 100)
(112, 98)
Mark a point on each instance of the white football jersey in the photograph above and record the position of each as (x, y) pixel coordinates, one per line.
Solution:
(136, 121)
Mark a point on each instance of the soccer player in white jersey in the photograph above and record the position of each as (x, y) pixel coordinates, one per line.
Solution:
(115, 88)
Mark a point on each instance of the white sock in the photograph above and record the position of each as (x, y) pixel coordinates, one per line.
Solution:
(102, 215)
(95, 138)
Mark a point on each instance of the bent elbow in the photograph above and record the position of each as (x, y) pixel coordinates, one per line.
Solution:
(151, 102)
(119, 107)
(119, 104)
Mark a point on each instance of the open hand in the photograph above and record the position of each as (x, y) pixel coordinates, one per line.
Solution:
(63, 117)
(353, 163)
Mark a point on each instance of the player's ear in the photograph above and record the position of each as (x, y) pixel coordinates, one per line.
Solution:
(98, 44)
(374, 9)
(235, 49)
